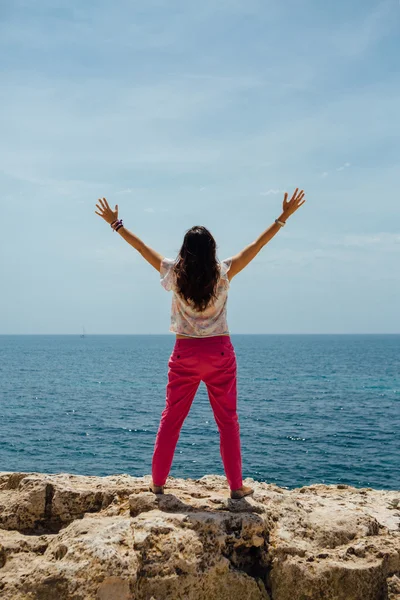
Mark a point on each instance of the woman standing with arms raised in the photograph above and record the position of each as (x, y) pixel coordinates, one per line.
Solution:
(203, 350)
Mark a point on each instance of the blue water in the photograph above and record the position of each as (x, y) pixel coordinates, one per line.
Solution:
(312, 408)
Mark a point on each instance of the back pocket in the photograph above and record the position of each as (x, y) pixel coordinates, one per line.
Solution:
(182, 353)
(224, 357)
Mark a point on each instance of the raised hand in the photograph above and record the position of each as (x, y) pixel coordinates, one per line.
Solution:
(106, 212)
(290, 206)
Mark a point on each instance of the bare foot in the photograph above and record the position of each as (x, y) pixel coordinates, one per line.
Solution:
(156, 489)
(241, 492)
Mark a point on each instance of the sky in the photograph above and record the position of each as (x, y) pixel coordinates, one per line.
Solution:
(199, 113)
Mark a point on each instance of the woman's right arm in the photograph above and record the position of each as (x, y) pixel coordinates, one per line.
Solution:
(242, 259)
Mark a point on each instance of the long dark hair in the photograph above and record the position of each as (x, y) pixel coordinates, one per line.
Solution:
(196, 269)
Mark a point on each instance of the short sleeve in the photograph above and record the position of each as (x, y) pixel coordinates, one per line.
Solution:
(166, 273)
(225, 265)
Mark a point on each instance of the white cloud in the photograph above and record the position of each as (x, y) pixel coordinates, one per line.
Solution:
(127, 191)
(342, 167)
(354, 37)
(272, 191)
(382, 241)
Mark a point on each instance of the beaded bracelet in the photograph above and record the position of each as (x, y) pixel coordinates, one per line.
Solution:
(117, 224)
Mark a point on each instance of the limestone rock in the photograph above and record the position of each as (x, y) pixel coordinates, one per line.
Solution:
(70, 537)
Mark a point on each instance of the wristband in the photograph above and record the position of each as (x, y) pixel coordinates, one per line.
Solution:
(115, 225)
(281, 223)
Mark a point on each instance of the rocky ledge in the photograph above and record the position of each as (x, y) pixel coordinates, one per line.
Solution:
(72, 537)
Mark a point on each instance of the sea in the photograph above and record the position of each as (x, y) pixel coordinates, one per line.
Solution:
(312, 408)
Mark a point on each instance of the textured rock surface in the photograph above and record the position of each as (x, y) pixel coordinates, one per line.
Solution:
(69, 537)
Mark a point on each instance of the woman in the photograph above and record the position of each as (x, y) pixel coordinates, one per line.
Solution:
(203, 350)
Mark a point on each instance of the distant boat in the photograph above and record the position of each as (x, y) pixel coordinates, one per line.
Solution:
(83, 334)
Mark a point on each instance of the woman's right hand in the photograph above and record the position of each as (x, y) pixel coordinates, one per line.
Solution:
(290, 206)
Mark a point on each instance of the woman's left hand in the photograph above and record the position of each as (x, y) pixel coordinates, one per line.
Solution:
(108, 215)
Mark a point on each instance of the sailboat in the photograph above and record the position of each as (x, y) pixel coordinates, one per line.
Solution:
(83, 334)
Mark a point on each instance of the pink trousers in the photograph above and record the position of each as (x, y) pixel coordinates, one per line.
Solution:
(212, 360)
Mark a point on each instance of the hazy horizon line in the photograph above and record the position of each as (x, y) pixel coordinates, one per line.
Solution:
(166, 334)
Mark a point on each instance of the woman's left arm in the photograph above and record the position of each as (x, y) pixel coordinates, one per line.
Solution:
(153, 257)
